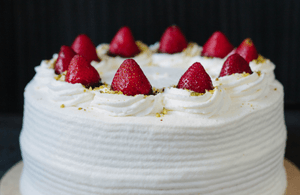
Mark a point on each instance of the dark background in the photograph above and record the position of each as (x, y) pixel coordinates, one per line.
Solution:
(33, 30)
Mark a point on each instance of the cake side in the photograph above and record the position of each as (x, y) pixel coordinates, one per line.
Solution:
(71, 151)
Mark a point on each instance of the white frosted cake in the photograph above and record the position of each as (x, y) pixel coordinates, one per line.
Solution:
(93, 140)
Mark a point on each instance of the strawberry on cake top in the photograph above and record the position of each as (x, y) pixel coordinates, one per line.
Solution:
(121, 47)
(173, 49)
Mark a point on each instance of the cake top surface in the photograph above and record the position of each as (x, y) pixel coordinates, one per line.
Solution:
(192, 82)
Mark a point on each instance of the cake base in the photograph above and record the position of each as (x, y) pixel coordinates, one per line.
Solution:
(9, 184)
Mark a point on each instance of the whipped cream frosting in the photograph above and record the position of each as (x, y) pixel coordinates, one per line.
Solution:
(69, 151)
(244, 87)
(208, 104)
(238, 87)
(122, 105)
(143, 58)
(266, 66)
(69, 94)
(227, 141)
(172, 60)
(45, 72)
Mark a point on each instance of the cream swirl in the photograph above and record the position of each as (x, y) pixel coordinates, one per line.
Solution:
(264, 66)
(211, 103)
(181, 59)
(45, 71)
(122, 105)
(244, 87)
(69, 94)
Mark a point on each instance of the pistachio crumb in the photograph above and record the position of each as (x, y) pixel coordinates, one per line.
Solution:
(57, 77)
(157, 115)
(244, 74)
(259, 73)
(79, 108)
(165, 111)
(260, 59)
(195, 93)
(62, 106)
(142, 46)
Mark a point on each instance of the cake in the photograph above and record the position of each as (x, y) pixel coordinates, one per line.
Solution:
(170, 137)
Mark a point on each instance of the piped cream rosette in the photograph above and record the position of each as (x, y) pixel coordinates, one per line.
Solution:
(45, 71)
(68, 94)
(176, 59)
(264, 66)
(117, 104)
(211, 103)
(244, 87)
(111, 63)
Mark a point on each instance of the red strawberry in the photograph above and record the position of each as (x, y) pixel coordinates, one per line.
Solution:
(172, 41)
(247, 50)
(232, 52)
(130, 79)
(65, 55)
(81, 71)
(84, 46)
(196, 79)
(123, 44)
(217, 46)
(235, 64)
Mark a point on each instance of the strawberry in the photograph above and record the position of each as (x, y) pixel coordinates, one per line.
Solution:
(217, 46)
(123, 44)
(232, 52)
(65, 55)
(247, 50)
(81, 71)
(196, 79)
(172, 41)
(235, 64)
(130, 79)
(84, 46)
